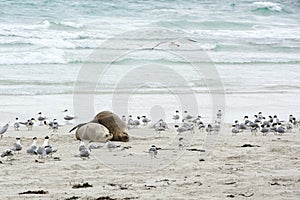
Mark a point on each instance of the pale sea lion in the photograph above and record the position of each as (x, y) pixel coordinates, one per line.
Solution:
(93, 132)
(113, 123)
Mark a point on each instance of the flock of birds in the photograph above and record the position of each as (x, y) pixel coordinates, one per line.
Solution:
(44, 150)
(265, 125)
(42, 121)
(184, 123)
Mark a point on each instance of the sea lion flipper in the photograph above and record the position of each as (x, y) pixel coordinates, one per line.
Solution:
(77, 126)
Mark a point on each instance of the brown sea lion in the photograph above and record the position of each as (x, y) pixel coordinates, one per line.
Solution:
(113, 123)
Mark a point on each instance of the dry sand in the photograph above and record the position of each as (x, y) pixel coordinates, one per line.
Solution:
(228, 171)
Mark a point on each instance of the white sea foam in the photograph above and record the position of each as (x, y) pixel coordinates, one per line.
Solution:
(269, 5)
(38, 57)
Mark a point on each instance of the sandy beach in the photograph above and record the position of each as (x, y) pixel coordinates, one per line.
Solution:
(270, 170)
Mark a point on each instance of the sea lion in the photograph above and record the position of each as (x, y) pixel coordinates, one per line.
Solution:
(113, 123)
(93, 132)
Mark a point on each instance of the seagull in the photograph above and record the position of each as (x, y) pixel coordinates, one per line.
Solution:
(84, 152)
(17, 147)
(176, 116)
(280, 129)
(68, 117)
(236, 128)
(180, 129)
(246, 120)
(253, 130)
(265, 129)
(153, 151)
(124, 118)
(196, 120)
(145, 120)
(40, 151)
(50, 123)
(54, 126)
(266, 122)
(260, 116)
(187, 116)
(201, 126)
(276, 120)
(256, 119)
(28, 124)
(17, 124)
(209, 129)
(110, 145)
(46, 148)
(4, 129)
(160, 126)
(180, 143)
(33, 147)
(41, 118)
(136, 122)
(219, 114)
(7, 153)
(290, 126)
(130, 121)
(189, 127)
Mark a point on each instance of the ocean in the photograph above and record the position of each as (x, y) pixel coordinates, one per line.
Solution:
(149, 58)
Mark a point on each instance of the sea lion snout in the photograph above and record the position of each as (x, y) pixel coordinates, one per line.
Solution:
(125, 137)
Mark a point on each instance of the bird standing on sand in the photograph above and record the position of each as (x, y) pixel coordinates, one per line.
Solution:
(187, 116)
(236, 128)
(110, 145)
(219, 114)
(265, 129)
(180, 143)
(55, 125)
(130, 121)
(209, 129)
(45, 149)
(68, 117)
(41, 119)
(145, 120)
(17, 147)
(84, 152)
(280, 129)
(33, 146)
(28, 124)
(201, 126)
(153, 151)
(17, 124)
(176, 116)
(124, 118)
(180, 129)
(7, 153)
(160, 126)
(253, 131)
(136, 122)
(4, 129)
